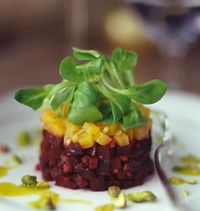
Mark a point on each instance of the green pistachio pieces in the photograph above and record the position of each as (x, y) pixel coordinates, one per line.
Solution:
(105, 207)
(42, 184)
(23, 139)
(176, 181)
(191, 181)
(186, 193)
(29, 181)
(141, 196)
(120, 201)
(181, 181)
(114, 191)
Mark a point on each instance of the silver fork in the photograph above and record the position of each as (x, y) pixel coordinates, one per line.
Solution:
(165, 148)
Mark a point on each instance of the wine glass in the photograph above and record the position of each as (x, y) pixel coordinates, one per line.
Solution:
(173, 25)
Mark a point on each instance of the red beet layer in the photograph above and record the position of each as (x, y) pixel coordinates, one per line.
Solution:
(96, 168)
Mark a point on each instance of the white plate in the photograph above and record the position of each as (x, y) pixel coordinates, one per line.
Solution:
(183, 112)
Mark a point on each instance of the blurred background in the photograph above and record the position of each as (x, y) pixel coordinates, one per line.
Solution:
(36, 35)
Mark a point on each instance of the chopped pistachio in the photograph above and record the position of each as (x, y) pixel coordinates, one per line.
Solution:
(190, 159)
(189, 169)
(176, 181)
(16, 159)
(141, 196)
(191, 181)
(42, 184)
(29, 180)
(186, 193)
(23, 138)
(114, 191)
(120, 201)
(105, 207)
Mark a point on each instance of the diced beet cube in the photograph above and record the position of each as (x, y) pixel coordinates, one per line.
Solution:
(112, 182)
(103, 167)
(73, 149)
(85, 160)
(67, 168)
(123, 158)
(46, 174)
(80, 181)
(73, 160)
(115, 171)
(97, 184)
(115, 163)
(123, 151)
(91, 151)
(71, 184)
(129, 175)
(148, 166)
(64, 159)
(104, 152)
(56, 171)
(53, 158)
(65, 181)
(44, 161)
(126, 167)
(87, 174)
(61, 180)
(129, 184)
(121, 175)
(93, 163)
(78, 168)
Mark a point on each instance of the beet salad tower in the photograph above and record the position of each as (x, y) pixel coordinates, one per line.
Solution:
(96, 129)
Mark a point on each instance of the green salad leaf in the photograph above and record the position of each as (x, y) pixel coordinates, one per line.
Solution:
(97, 88)
(33, 97)
(84, 95)
(63, 92)
(146, 93)
(79, 115)
(81, 54)
(132, 119)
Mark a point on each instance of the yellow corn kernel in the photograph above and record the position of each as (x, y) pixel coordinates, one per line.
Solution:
(141, 133)
(85, 140)
(47, 115)
(146, 111)
(52, 123)
(67, 139)
(56, 127)
(112, 129)
(102, 138)
(130, 135)
(90, 128)
(72, 128)
(121, 139)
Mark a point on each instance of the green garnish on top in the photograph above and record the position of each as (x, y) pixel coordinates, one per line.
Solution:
(97, 88)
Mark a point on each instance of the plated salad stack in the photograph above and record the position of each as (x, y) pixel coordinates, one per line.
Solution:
(96, 129)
